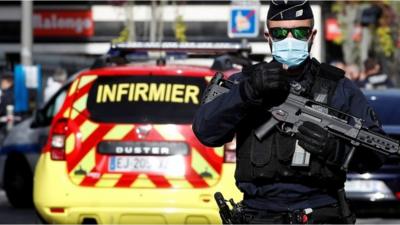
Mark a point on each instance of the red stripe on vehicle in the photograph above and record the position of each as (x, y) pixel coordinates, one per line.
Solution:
(126, 180)
(89, 180)
(159, 181)
(195, 179)
(208, 154)
(76, 156)
(154, 136)
(82, 91)
(131, 135)
(80, 118)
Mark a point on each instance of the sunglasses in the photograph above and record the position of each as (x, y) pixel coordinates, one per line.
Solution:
(300, 33)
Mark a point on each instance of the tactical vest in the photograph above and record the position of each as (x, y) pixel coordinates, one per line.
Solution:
(270, 159)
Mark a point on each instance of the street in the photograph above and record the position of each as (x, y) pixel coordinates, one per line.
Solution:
(9, 215)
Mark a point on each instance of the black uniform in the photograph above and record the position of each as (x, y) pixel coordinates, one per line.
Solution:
(264, 174)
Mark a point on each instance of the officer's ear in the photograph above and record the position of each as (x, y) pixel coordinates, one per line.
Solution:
(268, 38)
(313, 34)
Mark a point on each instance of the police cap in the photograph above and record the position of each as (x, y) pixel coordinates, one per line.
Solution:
(289, 10)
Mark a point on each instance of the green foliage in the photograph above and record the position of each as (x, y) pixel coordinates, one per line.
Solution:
(385, 40)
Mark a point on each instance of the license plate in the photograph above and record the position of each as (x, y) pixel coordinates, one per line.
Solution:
(165, 165)
(365, 186)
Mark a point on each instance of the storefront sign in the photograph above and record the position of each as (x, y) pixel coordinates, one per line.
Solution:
(333, 31)
(63, 23)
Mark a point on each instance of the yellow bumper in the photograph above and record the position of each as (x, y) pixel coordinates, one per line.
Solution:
(54, 189)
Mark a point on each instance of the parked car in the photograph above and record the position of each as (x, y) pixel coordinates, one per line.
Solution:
(380, 191)
(121, 148)
(20, 150)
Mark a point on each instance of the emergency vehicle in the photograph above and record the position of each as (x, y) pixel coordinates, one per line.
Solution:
(121, 149)
(21, 147)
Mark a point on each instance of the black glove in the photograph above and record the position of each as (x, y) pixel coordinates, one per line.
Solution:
(267, 83)
(318, 141)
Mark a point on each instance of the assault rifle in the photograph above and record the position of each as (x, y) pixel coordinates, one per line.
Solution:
(296, 110)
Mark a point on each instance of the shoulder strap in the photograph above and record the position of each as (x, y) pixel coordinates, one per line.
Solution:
(326, 71)
(331, 72)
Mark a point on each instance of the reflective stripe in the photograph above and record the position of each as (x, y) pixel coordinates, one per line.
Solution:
(201, 173)
(126, 180)
(86, 79)
(118, 132)
(91, 179)
(179, 183)
(74, 114)
(219, 151)
(70, 143)
(159, 181)
(203, 168)
(108, 180)
(195, 179)
(73, 87)
(87, 128)
(80, 104)
(86, 164)
(91, 142)
(75, 178)
(66, 113)
(143, 181)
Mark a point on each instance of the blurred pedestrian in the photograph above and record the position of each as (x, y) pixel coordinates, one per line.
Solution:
(354, 74)
(54, 83)
(375, 78)
(339, 64)
(7, 91)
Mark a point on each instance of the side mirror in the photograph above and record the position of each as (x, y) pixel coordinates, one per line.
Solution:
(38, 119)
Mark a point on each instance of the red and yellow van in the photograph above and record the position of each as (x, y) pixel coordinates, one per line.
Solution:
(122, 150)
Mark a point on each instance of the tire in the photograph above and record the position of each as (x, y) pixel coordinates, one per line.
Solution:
(18, 181)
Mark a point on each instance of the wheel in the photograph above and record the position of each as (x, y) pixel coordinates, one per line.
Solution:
(18, 181)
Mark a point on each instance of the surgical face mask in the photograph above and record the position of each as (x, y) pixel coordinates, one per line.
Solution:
(290, 51)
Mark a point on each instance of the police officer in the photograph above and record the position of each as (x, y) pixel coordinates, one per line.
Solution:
(7, 91)
(276, 188)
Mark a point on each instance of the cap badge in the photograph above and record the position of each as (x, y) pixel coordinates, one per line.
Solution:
(299, 13)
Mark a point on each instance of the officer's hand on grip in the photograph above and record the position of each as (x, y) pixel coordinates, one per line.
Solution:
(316, 140)
(267, 83)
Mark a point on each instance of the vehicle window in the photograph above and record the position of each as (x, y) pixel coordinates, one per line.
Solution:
(145, 99)
(55, 104)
